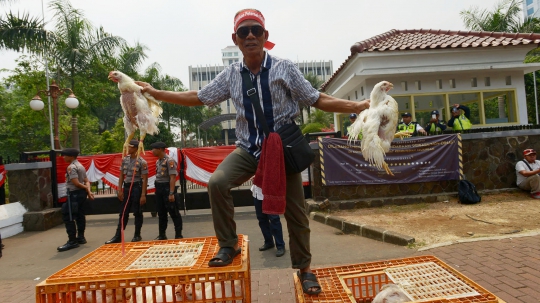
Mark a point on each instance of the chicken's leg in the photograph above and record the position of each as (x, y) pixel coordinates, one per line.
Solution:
(126, 144)
(387, 169)
(141, 145)
(402, 134)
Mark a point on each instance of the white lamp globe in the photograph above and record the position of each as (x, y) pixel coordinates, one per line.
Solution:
(36, 104)
(72, 102)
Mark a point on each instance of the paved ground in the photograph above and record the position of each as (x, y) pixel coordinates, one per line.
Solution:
(510, 268)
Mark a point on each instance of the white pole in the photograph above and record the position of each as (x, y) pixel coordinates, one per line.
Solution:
(535, 97)
(47, 76)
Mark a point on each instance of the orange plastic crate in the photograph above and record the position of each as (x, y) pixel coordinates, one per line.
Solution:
(361, 282)
(153, 271)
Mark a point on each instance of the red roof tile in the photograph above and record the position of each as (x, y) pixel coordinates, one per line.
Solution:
(429, 39)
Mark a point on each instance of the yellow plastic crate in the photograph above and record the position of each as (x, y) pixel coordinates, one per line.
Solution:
(153, 271)
(422, 279)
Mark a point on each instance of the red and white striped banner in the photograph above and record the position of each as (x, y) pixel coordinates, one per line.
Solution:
(2, 175)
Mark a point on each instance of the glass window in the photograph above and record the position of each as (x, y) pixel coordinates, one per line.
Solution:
(529, 2)
(530, 11)
(438, 83)
(423, 105)
(452, 83)
(418, 85)
(500, 107)
(471, 100)
(474, 82)
(508, 80)
(487, 81)
(362, 90)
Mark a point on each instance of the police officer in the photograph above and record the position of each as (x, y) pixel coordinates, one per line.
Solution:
(73, 210)
(408, 126)
(165, 193)
(131, 191)
(460, 121)
(435, 126)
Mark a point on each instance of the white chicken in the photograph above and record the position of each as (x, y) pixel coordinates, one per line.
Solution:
(391, 293)
(141, 111)
(378, 126)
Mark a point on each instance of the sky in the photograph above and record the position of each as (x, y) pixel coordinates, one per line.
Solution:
(180, 33)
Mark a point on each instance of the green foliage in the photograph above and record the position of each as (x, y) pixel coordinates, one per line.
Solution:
(321, 117)
(312, 127)
(164, 136)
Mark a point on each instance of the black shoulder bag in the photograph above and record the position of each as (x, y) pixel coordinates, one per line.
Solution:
(297, 153)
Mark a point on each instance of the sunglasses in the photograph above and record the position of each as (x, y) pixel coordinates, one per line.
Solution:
(243, 31)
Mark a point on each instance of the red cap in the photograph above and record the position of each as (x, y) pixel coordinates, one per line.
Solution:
(251, 14)
(529, 152)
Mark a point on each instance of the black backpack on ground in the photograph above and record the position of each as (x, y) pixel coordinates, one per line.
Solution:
(467, 193)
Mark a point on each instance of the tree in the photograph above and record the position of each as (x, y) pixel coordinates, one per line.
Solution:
(316, 83)
(70, 49)
(506, 17)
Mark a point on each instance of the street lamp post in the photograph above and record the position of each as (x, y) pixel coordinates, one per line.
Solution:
(54, 92)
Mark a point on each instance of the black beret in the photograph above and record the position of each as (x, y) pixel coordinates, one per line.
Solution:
(70, 152)
(134, 143)
(406, 115)
(158, 144)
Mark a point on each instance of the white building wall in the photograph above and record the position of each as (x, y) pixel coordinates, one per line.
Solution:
(530, 8)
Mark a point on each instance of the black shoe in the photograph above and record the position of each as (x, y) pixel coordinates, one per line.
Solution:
(115, 239)
(178, 235)
(160, 237)
(81, 240)
(69, 245)
(266, 246)
(136, 238)
(280, 252)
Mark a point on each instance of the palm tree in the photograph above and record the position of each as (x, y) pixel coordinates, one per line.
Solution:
(316, 83)
(506, 17)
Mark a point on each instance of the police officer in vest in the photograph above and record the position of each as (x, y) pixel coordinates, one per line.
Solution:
(131, 191)
(165, 191)
(408, 126)
(435, 126)
(78, 188)
(459, 120)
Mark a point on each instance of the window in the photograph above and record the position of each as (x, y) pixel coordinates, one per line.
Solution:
(500, 107)
(236, 53)
(530, 11)
(529, 2)
(348, 97)
(356, 94)
(438, 83)
(452, 83)
(508, 80)
(418, 85)
(231, 61)
(487, 81)
(362, 90)
(404, 85)
(473, 82)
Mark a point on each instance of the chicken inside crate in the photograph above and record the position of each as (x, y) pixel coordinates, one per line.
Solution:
(164, 271)
(417, 279)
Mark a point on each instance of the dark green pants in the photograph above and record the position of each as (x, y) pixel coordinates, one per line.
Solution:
(236, 169)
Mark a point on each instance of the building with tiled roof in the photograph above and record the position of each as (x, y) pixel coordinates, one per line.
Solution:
(434, 69)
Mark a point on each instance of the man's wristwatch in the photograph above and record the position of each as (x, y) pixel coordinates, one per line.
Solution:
(171, 193)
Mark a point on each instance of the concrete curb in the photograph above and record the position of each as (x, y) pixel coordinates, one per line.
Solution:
(363, 230)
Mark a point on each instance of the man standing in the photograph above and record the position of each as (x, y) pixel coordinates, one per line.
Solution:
(281, 87)
(132, 185)
(527, 171)
(352, 119)
(435, 126)
(406, 125)
(73, 210)
(165, 191)
(460, 121)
